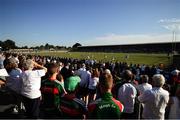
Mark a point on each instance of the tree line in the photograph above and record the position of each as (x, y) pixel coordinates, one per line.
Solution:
(10, 44)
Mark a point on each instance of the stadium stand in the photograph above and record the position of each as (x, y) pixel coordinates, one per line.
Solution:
(137, 48)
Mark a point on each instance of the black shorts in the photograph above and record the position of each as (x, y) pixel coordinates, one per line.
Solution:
(83, 91)
(92, 91)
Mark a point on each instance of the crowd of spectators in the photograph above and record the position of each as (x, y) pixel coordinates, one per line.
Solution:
(54, 87)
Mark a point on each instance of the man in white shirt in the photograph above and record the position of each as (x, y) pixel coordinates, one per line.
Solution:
(31, 87)
(126, 95)
(155, 100)
(145, 85)
(85, 76)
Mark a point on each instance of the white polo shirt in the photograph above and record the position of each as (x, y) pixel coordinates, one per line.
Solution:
(143, 87)
(126, 95)
(32, 83)
(155, 102)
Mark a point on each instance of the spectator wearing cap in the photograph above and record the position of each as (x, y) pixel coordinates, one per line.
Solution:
(31, 87)
(106, 107)
(126, 94)
(155, 100)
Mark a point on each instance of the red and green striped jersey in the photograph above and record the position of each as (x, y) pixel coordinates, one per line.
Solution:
(105, 108)
(51, 93)
(72, 107)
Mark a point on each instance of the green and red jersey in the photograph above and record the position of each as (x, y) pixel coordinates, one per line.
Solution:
(105, 108)
(72, 107)
(51, 93)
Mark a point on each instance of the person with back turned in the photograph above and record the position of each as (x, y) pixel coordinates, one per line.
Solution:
(106, 107)
(155, 100)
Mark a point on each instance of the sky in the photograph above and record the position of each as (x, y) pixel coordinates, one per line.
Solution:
(89, 22)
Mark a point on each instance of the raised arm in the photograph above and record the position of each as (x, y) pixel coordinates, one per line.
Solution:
(39, 66)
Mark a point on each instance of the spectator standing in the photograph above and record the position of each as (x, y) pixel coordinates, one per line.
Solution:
(2, 58)
(85, 76)
(155, 100)
(70, 105)
(93, 84)
(174, 101)
(51, 90)
(142, 88)
(31, 87)
(14, 80)
(106, 107)
(144, 85)
(126, 94)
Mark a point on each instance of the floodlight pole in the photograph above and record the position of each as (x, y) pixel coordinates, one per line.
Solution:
(174, 41)
(173, 32)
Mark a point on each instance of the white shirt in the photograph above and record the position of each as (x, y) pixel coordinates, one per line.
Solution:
(31, 83)
(155, 102)
(174, 112)
(85, 76)
(93, 83)
(143, 87)
(126, 94)
(14, 80)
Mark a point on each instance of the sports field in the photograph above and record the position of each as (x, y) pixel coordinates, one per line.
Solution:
(135, 58)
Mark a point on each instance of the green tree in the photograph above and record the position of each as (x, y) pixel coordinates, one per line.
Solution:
(9, 44)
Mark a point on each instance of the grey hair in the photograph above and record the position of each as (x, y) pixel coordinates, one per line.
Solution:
(107, 71)
(28, 64)
(158, 80)
(144, 78)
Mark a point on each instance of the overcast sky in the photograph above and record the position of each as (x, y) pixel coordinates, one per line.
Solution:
(89, 22)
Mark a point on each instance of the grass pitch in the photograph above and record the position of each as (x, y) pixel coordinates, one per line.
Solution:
(135, 58)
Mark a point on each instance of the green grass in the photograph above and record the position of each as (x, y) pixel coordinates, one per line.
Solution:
(135, 58)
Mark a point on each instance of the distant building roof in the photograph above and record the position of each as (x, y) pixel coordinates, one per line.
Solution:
(177, 42)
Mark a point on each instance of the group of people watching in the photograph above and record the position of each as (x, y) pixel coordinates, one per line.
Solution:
(54, 87)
